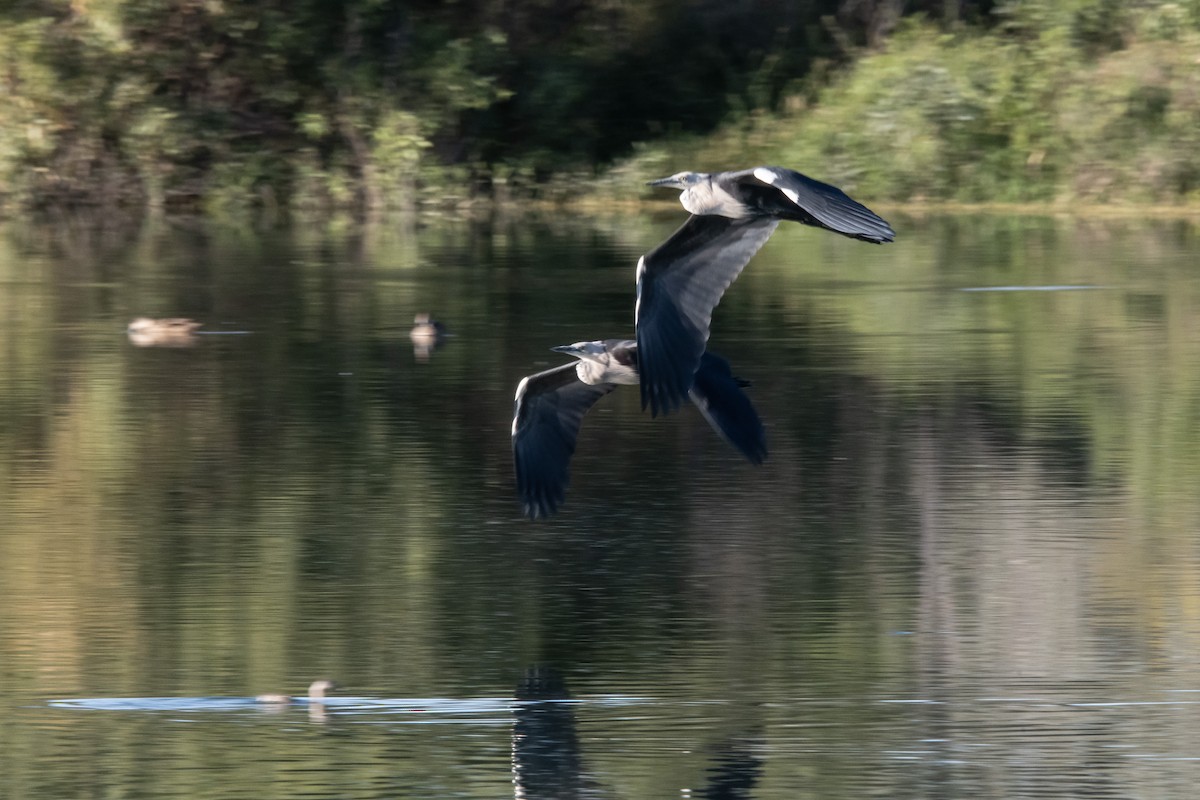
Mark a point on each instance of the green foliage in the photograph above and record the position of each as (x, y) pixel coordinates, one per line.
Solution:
(378, 104)
(225, 103)
(1100, 26)
(1021, 114)
(398, 147)
(367, 104)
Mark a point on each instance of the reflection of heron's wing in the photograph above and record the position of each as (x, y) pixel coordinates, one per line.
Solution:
(546, 760)
(811, 202)
(549, 409)
(735, 772)
(718, 395)
(679, 283)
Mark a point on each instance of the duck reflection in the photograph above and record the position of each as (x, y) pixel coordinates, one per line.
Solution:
(546, 763)
(168, 332)
(316, 700)
(427, 335)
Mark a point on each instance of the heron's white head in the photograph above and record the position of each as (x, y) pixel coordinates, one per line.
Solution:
(588, 350)
(680, 180)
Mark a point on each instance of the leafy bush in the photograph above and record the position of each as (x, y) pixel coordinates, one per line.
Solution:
(378, 104)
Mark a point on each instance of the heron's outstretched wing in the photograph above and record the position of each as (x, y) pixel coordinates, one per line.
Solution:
(548, 411)
(718, 395)
(679, 283)
(811, 202)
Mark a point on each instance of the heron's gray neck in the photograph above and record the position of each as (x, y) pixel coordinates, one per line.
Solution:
(606, 370)
(710, 199)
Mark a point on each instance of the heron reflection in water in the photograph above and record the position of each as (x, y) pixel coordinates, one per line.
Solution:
(735, 770)
(681, 281)
(548, 762)
(550, 407)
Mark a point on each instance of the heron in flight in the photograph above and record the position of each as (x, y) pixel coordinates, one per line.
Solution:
(550, 406)
(681, 281)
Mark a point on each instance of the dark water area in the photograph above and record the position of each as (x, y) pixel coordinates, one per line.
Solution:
(969, 567)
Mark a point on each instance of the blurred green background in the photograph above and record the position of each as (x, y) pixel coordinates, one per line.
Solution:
(372, 105)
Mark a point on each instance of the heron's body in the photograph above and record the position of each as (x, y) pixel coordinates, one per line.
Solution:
(781, 194)
(681, 281)
(609, 361)
(550, 406)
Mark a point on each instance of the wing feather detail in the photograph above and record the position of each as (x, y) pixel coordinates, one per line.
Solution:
(680, 283)
(719, 396)
(549, 409)
(819, 204)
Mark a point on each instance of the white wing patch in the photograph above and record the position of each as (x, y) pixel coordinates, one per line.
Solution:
(766, 175)
(770, 176)
(520, 393)
(637, 305)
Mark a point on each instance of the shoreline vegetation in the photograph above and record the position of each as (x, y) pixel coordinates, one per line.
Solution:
(374, 107)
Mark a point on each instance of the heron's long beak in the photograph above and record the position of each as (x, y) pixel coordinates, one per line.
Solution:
(674, 184)
(565, 348)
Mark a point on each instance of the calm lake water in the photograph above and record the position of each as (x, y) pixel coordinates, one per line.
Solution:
(969, 568)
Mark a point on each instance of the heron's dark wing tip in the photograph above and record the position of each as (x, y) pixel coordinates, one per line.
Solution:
(541, 479)
(539, 509)
(718, 396)
(826, 206)
(885, 235)
(550, 407)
